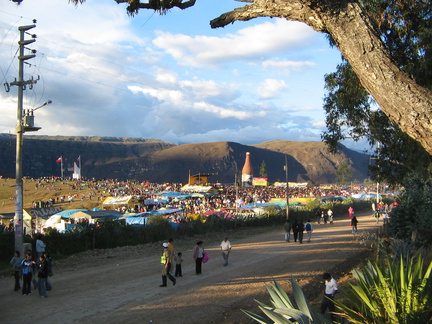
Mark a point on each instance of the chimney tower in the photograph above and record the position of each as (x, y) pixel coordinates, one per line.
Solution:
(247, 172)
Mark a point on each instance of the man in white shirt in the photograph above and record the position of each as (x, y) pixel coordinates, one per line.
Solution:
(226, 249)
(331, 289)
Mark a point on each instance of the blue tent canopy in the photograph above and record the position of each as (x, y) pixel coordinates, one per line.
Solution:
(137, 220)
(68, 212)
(260, 205)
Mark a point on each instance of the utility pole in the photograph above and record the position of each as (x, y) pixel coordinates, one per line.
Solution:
(286, 188)
(377, 193)
(20, 129)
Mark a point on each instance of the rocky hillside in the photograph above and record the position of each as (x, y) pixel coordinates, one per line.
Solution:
(158, 161)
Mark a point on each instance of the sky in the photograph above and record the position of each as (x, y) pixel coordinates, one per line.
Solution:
(168, 77)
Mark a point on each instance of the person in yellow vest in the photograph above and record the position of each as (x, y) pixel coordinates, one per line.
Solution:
(165, 261)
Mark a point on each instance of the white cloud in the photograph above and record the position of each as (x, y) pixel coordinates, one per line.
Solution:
(112, 75)
(250, 43)
(270, 88)
(287, 66)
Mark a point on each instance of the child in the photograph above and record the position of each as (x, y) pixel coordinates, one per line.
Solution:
(27, 270)
(178, 260)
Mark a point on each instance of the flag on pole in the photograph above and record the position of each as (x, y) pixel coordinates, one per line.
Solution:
(59, 159)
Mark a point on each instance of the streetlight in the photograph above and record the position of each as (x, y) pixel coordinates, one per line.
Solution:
(24, 124)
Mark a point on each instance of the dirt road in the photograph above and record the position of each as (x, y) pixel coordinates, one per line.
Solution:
(122, 285)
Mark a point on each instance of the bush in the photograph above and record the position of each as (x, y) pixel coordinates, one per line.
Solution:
(396, 289)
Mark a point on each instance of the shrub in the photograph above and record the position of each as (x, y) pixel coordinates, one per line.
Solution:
(396, 289)
(284, 311)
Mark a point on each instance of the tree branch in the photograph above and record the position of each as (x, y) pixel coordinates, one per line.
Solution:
(296, 10)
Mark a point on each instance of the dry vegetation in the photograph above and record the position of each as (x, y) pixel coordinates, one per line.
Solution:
(46, 190)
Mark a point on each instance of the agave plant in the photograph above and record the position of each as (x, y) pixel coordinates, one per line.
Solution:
(284, 311)
(395, 290)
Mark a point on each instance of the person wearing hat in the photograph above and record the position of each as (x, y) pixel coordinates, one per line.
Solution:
(166, 261)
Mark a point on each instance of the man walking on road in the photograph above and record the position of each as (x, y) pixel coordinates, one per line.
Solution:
(165, 260)
(226, 249)
(331, 289)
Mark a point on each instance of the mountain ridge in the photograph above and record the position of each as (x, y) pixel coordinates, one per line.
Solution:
(159, 161)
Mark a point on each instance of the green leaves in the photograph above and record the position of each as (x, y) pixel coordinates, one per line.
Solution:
(390, 291)
(284, 310)
(395, 290)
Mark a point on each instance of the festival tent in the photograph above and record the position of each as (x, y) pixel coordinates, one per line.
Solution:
(260, 205)
(364, 196)
(173, 194)
(97, 214)
(143, 218)
(136, 219)
(154, 201)
(68, 212)
(8, 216)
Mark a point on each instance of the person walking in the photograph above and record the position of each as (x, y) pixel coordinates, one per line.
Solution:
(295, 229)
(309, 230)
(331, 289)
(301, 229)
(350, 212)
(330, 216)
(287, 228)
(178, 260)
(226, 249)
(42, 276)
(165, 261)
(318, 216)
(40, 247)
(16, 269)
(377, 216)
(50, 273)
(27, 270)
(198, 254)
(354, 223)
(172, 253)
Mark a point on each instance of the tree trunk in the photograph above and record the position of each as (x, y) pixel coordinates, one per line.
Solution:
(400, 97)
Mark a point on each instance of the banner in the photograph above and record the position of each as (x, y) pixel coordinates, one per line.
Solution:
(260, 182)
(117, 200)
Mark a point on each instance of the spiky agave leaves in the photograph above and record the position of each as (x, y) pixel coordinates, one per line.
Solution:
(283, 310)
(392, 291)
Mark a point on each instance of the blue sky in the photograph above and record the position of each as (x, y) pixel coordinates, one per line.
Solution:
(168, 77)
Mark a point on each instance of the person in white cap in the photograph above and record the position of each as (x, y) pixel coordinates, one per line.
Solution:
(166, 260)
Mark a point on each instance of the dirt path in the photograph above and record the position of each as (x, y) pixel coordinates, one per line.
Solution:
(124, 288)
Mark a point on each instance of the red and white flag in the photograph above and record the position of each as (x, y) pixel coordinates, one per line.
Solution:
(59, 159)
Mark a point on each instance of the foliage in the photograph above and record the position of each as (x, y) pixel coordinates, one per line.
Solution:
(344, 173)
(414, 212)
(263, 170)
(284, 310)
(405, 27)
(394, 290)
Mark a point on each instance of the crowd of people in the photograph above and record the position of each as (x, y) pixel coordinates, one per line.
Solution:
(27, 269)
(226, 196)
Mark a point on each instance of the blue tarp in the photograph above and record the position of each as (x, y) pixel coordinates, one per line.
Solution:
(68, 212)
(137, 220)
(261, 205)
(174, 194)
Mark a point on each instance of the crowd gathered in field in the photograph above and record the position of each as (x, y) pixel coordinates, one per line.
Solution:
(224, 196)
